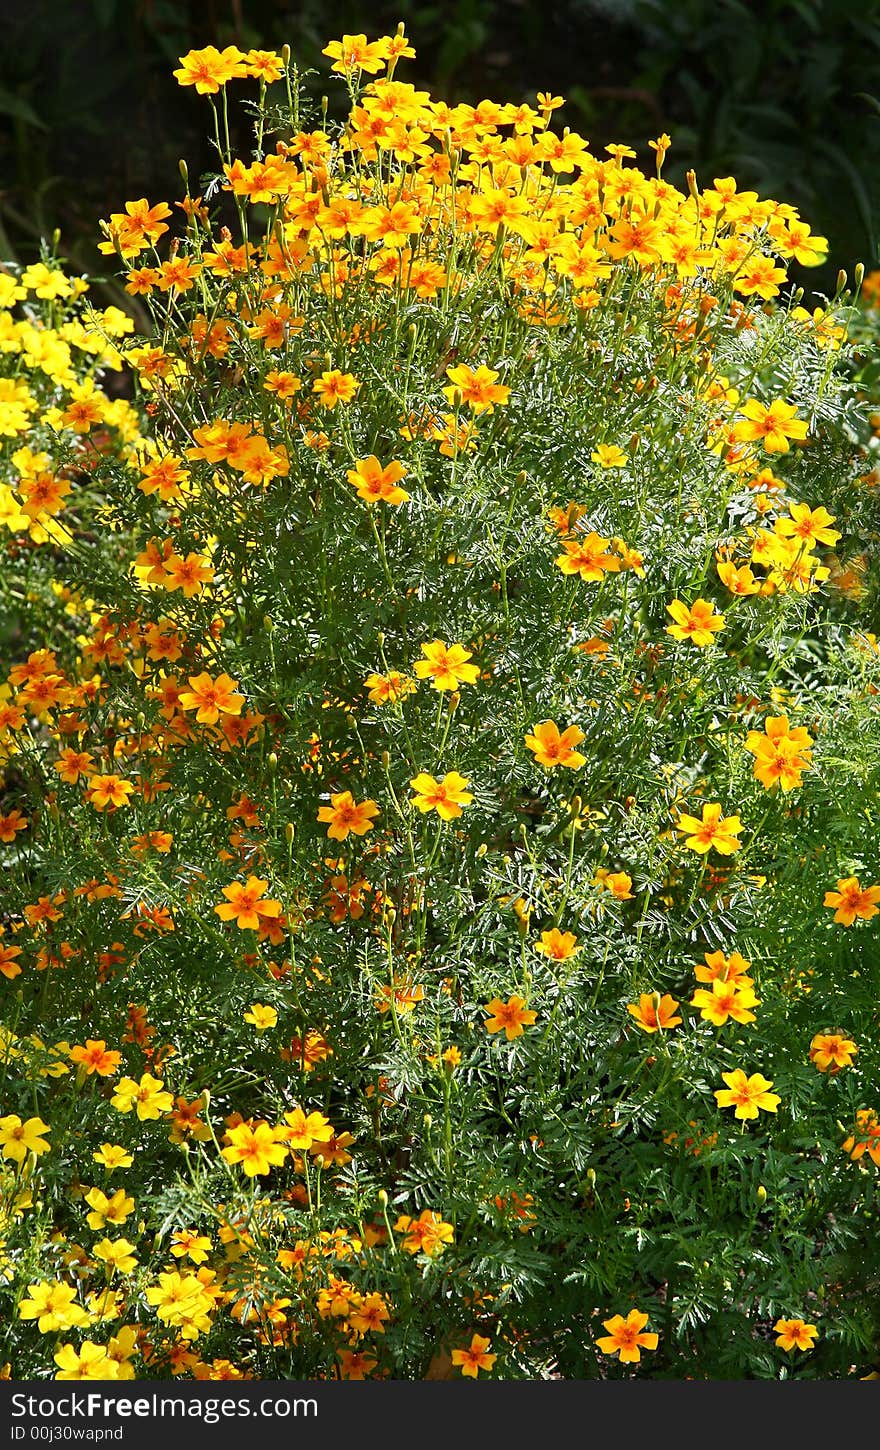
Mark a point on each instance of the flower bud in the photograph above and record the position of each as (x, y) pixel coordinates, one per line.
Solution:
(184, 171)
(289, 833)
(383, 1198)
(761, 1193)
(272, 762)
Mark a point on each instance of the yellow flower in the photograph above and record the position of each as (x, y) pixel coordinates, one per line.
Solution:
(118, 1254)
(712, 831)
(18, 1138)
(446, 796)
(147, 1096)
(261, 1016)
(608, 455)
(697, 622)
(746, 1094)
(446, 665)
(256, 1148)
(91, 1363)
(773, 425)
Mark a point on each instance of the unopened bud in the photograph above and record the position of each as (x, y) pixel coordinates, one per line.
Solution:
(386, 759)
(285, 55)
(692, 184)
(267, 622)
(427, 1120)
(481, 850)
(325, 106)
(591, 1177)
(383, 1198)
(761, 1193)
(575, 805)
(858, 275)
(184, 171)
(289, 833)
(841, 280)
(272, 762)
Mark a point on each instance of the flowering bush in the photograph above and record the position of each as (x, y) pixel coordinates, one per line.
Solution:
(439, 810)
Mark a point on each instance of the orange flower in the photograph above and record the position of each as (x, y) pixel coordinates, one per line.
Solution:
(588, 558)
(376, 484)
(866, 1138)
(557, 945)
(471, 1360)
(510, 1016)
(794, 1334)
(11, 823)
(209, 698)
(427, 1234)
(344, 815)
(830, 1051)
(852, 900)
(245, 905)
(335, 387)
(552, 748)
(303, 1129)
(626, 1337)
(95, 1058)
(654, 1013)
(697, 622)
(109, 791)
(723, 968)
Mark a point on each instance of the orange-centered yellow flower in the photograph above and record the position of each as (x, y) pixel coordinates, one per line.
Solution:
(830, 1051)
(725, 1000)
(794, 1334)
(211, 698)
(446, 796)
(772, 425)
(654, 1013)
(18, 1138)
(247, 905)
(626, 1337)
(853, 900)
(335, 387)
(781, 753)
(376, 484)
(478, 389)
(344, 815)
(713, 831)
(697, 622)
(108, 791)
(808, 526)
(255, 1148)
(746, 1094)
(471, 1360)
(209, 69)
(510, 1016)
(552, 748)
(589, 558)
(446, 665)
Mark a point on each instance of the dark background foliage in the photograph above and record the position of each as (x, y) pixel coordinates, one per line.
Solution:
(783, 94)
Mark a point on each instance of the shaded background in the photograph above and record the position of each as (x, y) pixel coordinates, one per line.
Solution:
(782, 94)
